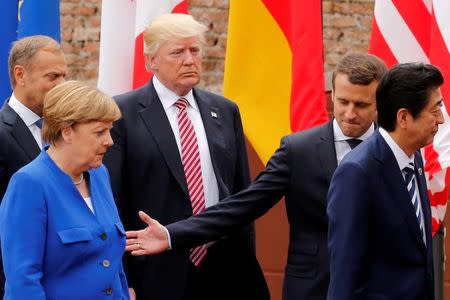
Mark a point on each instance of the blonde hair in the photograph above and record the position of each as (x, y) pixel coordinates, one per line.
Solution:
(74, 102)
(23, 51)
(171, 26)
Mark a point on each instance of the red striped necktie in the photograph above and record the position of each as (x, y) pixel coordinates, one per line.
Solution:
(190, 157)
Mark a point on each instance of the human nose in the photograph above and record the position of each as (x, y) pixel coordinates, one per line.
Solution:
(188, 58)
(350, 112)
(440, 117)
(109, 141)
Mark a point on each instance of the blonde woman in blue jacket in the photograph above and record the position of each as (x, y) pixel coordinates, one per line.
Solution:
(61, 235)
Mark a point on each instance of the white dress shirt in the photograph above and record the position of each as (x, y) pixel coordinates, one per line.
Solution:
(28, 117)
(168, 99)
(340, 144)
(403, 161)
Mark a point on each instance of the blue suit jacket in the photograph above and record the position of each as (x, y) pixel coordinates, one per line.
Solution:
(376, 249)
(53, 246)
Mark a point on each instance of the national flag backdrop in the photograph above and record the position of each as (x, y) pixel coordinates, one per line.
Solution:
(121, 66)
(274, 68)
(20, 19)
(419, 30)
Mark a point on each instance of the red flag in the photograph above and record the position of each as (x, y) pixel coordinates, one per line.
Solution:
(419, 30)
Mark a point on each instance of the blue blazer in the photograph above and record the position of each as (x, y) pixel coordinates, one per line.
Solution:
(53, 246)
(376, 249)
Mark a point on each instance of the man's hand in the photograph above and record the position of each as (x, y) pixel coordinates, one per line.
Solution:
(148, 241)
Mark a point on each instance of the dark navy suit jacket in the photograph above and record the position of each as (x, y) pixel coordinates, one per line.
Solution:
(300, 170)
(17, 148)
(147, 174)
(17, 145)
(375, 244)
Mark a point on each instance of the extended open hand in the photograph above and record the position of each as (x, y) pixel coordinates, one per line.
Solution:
(148, 241)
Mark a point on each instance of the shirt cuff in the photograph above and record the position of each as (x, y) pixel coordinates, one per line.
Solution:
(168, 238)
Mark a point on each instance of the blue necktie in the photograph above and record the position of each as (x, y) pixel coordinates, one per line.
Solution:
(410, 180)
(39, 123)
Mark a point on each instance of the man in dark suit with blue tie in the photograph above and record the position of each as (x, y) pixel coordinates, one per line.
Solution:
(380, 220)
(36, 65)
(300, 170)
(177, 150)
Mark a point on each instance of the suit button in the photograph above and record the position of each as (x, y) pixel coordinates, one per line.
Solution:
(103, 236)
(106, 263)
(108, 291)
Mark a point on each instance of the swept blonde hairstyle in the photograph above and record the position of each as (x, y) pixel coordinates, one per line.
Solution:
(171, 26)
(74, 102)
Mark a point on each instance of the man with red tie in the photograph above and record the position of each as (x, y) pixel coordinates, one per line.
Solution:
(179, 150)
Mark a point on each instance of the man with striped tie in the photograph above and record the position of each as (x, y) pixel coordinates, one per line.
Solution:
(178, 150)
(379, 213)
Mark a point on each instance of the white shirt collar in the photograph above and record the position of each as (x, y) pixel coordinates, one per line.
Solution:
(402, 159)
(26, 114)
(340, 136)
(168, 97)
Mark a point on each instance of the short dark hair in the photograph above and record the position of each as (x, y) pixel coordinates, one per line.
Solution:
(407, 85)
(361, 68)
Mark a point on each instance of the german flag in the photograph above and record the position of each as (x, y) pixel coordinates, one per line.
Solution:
(274, 68)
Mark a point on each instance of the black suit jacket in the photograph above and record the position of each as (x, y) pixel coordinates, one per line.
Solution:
(17, 148)
(147, 174)
(377, 250)
(300, 170)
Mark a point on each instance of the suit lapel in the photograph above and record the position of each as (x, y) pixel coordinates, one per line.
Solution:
(327, 151)
(212, 122)
(155, 119)
(398, 192)
(20, 132)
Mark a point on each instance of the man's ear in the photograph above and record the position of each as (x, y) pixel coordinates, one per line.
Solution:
(19, 75)
(150, 63)
(402, 118)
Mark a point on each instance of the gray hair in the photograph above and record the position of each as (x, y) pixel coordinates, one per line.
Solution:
(23, 51)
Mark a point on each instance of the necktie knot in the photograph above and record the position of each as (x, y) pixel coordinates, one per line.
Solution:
(409, 169)
(353, 142)
(39, 123)
(181, 103)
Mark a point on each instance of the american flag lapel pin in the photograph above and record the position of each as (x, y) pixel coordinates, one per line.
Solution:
(214, 115)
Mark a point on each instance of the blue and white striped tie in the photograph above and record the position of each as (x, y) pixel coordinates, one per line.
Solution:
(410, 180)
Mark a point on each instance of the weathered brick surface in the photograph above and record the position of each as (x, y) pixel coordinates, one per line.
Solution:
(346, 27)
(80, 34)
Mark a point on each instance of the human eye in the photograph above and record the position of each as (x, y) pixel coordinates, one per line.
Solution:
(195, 50)
(52, 76)
(362, 105)
(176, 52)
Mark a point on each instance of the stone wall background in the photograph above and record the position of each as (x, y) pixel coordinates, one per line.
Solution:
(346, 27)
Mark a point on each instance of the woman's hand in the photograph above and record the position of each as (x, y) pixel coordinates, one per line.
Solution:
(151, 240)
